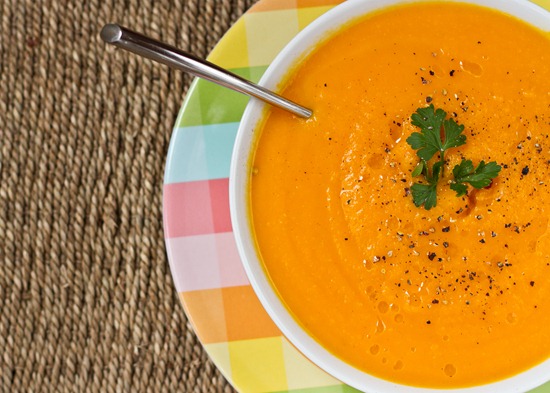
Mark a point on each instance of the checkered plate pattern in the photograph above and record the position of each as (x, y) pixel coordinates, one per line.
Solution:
(228, 318)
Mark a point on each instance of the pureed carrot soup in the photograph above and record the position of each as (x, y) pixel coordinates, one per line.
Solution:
(453, 296)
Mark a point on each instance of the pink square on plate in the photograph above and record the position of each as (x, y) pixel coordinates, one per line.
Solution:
(205, 262)
(188, 209)
(219, 197)
(231, 268)
(194, 261)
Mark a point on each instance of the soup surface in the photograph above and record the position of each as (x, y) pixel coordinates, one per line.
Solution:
(448, 297)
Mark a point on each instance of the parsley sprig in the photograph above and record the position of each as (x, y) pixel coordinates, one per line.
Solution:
(432, 125)
(437, 135)
(480, 177)
(426, 194)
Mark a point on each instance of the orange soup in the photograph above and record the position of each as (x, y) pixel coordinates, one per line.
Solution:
(454, 296)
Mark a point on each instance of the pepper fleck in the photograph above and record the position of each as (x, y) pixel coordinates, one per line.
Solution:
(446, 229)
(525, 171)
(532, 283)
(452, 73)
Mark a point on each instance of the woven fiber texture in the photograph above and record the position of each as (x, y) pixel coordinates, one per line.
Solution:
(87, 302)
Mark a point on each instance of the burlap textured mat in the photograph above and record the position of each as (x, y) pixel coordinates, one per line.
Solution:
(87, 300)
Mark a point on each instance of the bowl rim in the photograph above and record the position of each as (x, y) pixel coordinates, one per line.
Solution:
(298, 48)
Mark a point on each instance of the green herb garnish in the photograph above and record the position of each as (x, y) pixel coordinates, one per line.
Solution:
(480, 177)
(437, 135)
(426, 194)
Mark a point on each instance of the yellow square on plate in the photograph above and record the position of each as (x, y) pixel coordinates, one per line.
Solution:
(258, 365)
(268, 33)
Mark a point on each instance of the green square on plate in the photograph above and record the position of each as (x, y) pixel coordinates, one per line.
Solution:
(209, 103)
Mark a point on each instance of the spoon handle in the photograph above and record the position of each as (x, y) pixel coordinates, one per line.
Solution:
(175, 58)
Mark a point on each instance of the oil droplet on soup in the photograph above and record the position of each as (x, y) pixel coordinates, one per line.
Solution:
(383, 307)
(450, 370)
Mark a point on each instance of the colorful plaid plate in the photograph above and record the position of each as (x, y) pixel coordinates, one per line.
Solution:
(229, 320)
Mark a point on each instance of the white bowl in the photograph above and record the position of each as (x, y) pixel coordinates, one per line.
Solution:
(243, 154)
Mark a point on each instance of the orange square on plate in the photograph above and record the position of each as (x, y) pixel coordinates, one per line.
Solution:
(205, 309)
(317, 3)
(245, 317)
(263, 6)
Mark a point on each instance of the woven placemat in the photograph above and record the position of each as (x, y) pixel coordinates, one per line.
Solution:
(87, 302)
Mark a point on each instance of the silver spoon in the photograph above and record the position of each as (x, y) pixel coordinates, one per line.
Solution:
(175, 58)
